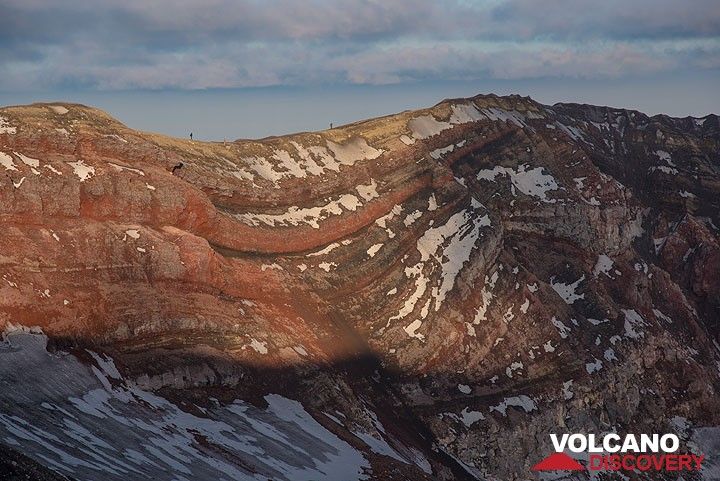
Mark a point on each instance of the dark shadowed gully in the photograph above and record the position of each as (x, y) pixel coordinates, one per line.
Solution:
(423, 296)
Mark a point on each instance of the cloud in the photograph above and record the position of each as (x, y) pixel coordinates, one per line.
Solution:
(195, 44)
(611, 19)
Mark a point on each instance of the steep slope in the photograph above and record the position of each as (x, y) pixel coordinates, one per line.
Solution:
(439, 289)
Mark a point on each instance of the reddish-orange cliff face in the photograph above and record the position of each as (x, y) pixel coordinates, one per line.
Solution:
(473, 273)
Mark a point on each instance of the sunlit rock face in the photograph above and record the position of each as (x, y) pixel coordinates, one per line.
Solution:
(420, 296)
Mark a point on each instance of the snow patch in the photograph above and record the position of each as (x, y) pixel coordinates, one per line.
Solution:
(465, 113)
(5, 127)
(438, 153)
(514, 366)
(411, 218)
(84, 172)
(469, 418)
(52, 169)
(531, 182)
(594, 366)
(521, 401)
(30, 162)
(664, 169)
(259, 346)
(374, 249)
(353, 150)
(407, 140)
(659, 314)
(312, 160)
(426, 126)
(561, 327)
(7, 161)
(411, 329)
(446, 249)
(603, 266)
(59, 109)
(303, 215)
(659, 243)
(85, 427)
(368, 192)
(274, 266)
(632, 321)
(567, 291)
(464, 388)
(327, 266)
(121, 168)
(326, 250)
(665, 157)
(525, 305)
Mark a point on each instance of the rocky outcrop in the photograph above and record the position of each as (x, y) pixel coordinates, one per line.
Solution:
(453, 283)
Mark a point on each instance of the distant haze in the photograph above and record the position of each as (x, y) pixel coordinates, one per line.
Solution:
(218, 114)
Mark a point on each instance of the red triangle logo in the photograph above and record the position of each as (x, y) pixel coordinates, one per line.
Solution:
(558, 462)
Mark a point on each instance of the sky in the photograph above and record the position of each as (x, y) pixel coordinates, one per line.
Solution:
(247, 69)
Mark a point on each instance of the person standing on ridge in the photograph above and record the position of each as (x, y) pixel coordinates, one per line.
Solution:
(190, 135)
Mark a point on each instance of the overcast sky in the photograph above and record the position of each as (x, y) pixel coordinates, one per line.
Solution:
(232, 68)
